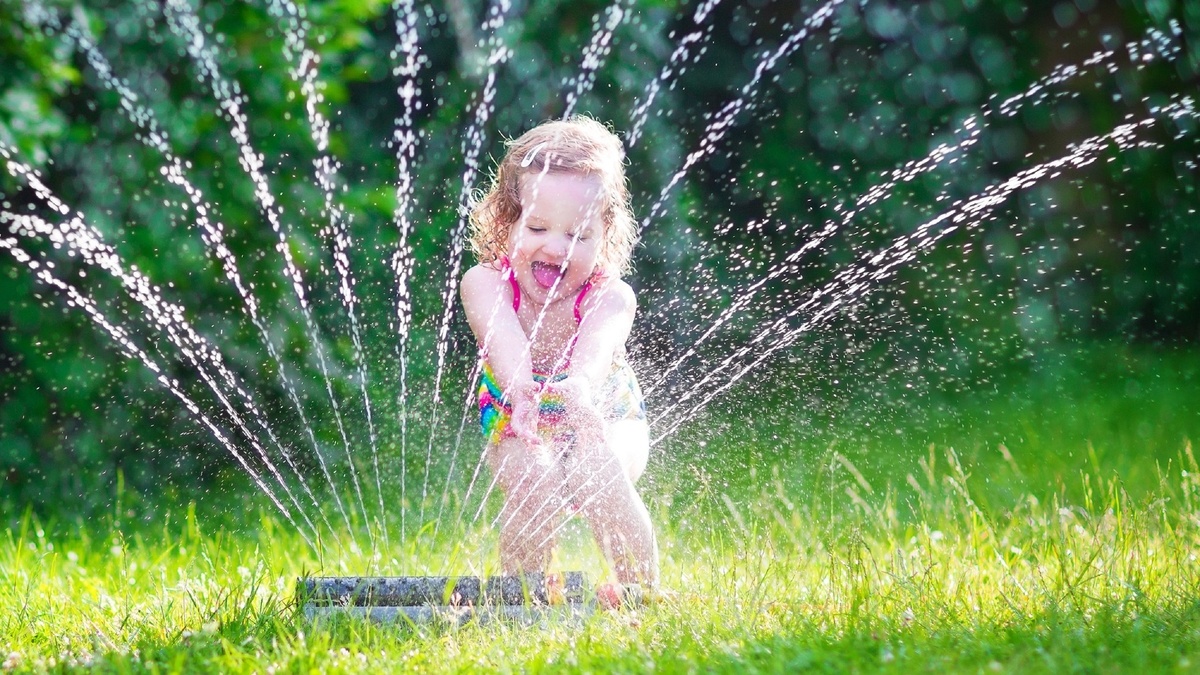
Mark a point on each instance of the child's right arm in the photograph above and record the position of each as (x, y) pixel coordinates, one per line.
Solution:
(487, 301)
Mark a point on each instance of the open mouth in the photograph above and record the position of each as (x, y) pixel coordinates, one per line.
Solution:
(545, 274)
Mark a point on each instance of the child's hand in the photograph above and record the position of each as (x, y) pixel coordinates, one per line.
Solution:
(576, 393)
(524, 419)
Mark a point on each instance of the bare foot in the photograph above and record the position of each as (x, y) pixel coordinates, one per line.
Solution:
(609, 594)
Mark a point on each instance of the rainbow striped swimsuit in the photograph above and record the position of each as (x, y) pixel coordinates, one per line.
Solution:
(620, 398)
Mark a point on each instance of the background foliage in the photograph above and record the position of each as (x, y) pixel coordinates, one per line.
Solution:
(1107, 253)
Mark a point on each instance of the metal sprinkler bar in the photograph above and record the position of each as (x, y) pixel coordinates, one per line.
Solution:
(449, 598)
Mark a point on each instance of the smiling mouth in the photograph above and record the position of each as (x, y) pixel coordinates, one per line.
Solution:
(545, 274)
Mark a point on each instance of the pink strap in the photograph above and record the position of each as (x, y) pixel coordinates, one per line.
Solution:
(506, 268)
(587, 286)
(596, 278)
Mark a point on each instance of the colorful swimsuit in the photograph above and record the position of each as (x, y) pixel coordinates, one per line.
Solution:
(619, 395)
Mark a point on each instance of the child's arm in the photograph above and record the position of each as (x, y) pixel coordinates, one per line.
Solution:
(487, 302)
(607, 321)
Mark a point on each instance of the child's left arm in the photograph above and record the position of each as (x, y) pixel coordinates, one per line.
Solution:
(604, 329)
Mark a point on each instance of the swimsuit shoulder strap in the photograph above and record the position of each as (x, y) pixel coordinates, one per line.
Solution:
(506, 270)
(587, 286)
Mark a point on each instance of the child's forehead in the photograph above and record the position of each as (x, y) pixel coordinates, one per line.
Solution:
(533, 217)
(529, 180)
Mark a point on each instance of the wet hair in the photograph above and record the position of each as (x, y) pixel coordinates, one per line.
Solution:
(576, 145)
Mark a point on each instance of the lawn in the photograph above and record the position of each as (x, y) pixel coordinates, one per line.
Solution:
(1050, 525)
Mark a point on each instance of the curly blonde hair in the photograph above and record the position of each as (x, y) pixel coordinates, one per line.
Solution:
(575, 145)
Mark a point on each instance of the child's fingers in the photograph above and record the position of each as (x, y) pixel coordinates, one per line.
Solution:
(527, 434)
(584, 412)
(524, 426)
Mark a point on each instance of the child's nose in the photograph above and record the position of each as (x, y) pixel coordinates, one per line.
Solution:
(558, 246)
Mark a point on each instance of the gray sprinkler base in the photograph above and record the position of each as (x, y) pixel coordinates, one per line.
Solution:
(452, 600)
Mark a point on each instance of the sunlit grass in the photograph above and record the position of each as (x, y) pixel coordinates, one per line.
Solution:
(1046, 532)
(776, 581)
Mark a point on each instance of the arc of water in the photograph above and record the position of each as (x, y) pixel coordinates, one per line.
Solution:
(305, 66)
(549, 497)
(676, 66)
(472, 145)
(598, 49)
(134, 352)
(570, 498)
(409, 62)
(743, 300)
(83, 240)
(477, 371)
(184, 22)
(212, 231)
(730, 110)
(490, 488)
(724, 118)
(544, 507)
(532, 491)
(872, 268)
(581, 506)
(559, 364)
(594, 55)
(537, 324)
(1154, 45)
(468, 400)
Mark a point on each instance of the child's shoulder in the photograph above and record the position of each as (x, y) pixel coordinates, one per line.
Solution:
(482, 273)
(612, 294)
(481, 281)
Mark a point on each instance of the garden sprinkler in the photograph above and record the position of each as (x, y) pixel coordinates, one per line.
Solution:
(458, 600)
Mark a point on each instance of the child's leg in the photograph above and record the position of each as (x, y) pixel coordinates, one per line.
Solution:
(601, 476)
(532, 485)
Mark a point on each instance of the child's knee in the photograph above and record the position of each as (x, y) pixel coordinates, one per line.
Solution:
(600, 479)
(515, 465)
(531, 482)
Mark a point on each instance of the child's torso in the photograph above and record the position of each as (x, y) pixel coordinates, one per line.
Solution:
(557, 324)
(550, 348)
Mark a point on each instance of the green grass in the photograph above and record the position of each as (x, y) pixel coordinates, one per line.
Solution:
(1072, 550)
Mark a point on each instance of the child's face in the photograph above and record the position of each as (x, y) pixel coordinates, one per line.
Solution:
(555, 243)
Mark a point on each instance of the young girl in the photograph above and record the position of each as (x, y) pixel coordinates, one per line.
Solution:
(560, 408)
